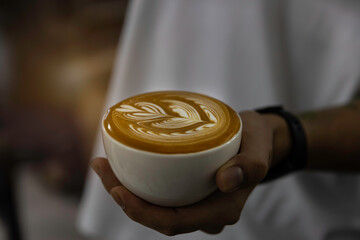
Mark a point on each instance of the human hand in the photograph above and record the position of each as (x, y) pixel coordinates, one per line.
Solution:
(265, 141)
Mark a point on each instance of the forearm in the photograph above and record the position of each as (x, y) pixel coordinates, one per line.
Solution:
(333, 137)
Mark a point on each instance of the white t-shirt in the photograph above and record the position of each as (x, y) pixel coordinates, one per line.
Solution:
(303, 54)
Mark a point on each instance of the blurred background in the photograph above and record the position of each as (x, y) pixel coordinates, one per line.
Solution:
(56, 58)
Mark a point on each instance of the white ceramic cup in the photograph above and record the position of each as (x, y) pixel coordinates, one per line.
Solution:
(170, 180)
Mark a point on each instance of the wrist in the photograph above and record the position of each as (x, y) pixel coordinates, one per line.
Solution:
(289, 143)
(281, 137)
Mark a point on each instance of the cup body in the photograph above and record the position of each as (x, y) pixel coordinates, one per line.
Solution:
(170, 180)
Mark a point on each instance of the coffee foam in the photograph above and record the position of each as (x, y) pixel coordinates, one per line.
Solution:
(171, 122)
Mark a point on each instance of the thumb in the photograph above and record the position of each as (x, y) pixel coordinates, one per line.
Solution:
(241, 171)
(251, 165)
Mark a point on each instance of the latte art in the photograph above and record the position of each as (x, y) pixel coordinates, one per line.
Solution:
(152, 120)
(172, 122)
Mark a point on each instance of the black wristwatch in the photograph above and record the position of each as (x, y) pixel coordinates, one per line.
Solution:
(298, 153)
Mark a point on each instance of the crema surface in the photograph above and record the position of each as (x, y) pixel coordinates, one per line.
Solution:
(172, 122)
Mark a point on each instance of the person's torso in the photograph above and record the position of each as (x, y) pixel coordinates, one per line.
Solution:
(249, 53)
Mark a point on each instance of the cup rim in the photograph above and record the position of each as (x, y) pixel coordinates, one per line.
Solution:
(239, 132)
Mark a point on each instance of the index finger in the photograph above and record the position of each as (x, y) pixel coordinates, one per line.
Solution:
(217, 210)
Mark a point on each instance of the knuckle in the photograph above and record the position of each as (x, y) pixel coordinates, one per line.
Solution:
(170, 227)
(255, 169)
(234, 218)
(230, 217)
(169, 230)
(132, 213)
(261, 167)
(214, 229)
(219, 230)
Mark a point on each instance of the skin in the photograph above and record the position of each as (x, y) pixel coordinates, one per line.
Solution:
(333, 138)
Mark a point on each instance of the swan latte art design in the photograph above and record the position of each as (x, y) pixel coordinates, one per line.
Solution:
(172, 122)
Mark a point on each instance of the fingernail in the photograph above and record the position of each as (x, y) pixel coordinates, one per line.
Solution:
(231, 178)
(118, 199)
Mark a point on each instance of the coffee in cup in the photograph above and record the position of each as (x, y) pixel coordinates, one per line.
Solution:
(166, 146)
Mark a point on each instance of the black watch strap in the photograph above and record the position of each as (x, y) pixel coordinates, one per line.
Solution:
(298, 153)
